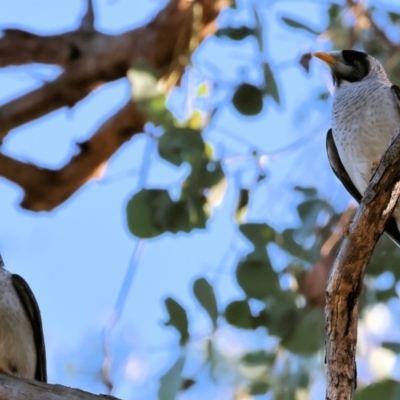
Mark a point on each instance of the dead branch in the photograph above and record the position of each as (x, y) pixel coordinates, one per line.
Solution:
(12, 388)
(89, 59)
(346, 281)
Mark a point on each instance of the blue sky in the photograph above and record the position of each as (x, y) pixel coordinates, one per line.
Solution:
(75, 258)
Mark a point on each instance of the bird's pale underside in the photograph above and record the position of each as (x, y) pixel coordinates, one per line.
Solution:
(22, 351)
(365, 116)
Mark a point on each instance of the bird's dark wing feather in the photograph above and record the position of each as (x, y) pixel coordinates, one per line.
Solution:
(340, 172)
(32, 310)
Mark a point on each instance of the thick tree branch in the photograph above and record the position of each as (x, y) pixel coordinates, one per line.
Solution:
(90, 58)
(46, 189)
(346, 280)
(12, 388)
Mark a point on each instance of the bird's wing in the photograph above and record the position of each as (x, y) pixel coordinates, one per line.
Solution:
(32, 311)
(391, 227)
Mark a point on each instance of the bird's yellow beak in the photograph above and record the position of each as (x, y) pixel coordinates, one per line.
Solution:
(327, 57)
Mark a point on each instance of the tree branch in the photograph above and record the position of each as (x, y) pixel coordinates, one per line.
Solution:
(12, 388)
(89, 59)
(346, 281)
(358, 10)
(46, 189)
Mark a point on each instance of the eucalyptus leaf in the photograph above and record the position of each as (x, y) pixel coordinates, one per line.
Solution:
(248, 100)
(171, 382)
(178, 145)
(237, 313)
(177, 319)
(299, 25)
(386, 390)
(271, 88)
(205, 295)
(235, 33)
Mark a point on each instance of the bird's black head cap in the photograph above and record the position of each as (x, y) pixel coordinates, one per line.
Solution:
(356, 67)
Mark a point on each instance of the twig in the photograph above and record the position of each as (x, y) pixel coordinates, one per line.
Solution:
(345, 283)
(87, 23)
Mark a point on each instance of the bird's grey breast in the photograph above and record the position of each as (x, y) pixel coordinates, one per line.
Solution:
(17, 348)
(365, 116)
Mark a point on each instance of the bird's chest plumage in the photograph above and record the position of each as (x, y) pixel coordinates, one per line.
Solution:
(17, 349)
(365, 116)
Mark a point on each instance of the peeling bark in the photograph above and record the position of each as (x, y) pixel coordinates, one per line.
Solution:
(346, 281)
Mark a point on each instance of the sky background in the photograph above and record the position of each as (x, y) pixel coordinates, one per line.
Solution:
(75, 258)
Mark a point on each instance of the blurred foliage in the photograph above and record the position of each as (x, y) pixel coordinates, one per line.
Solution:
(278, 303)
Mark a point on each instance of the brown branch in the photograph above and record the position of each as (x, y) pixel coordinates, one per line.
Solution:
(92, 58)
(89, 59)
(358, 10)
(12, 388)
(346, 281)
(87, 23)
(46, 189)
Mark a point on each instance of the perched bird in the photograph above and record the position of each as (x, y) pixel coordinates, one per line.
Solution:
(365, 116)
(22, 350)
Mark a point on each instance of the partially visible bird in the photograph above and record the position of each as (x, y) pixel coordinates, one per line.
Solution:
(365, 116)
(22, 349)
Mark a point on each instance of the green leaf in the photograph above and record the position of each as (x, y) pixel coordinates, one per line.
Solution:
(385, 390)
(289, 244)
(324, 96)
(248, 100)
(205, 174)
(178, 319)
(258, 388)
(385, 295)
(258, 358)
(308, 334)
(187, 383)
(238, 314)
(393, 346)
(333, 12)
(283, 317)
(235, 33)
(298, 25)
(309, 211)
(309, 192)
(141, 210)
(242, 204)
(156, 111)
(152, 212)
(394, 17)
(271, 86)
(205, 295)
(260, 235)
(178, 145)
(257, 278)
(171, 382)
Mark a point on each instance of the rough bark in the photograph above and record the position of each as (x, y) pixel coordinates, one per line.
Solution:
(346, 281)
(90, 58)
(12, 388)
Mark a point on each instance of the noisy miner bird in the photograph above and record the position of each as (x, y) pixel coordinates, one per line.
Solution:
(22, 350)
(365, 116)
